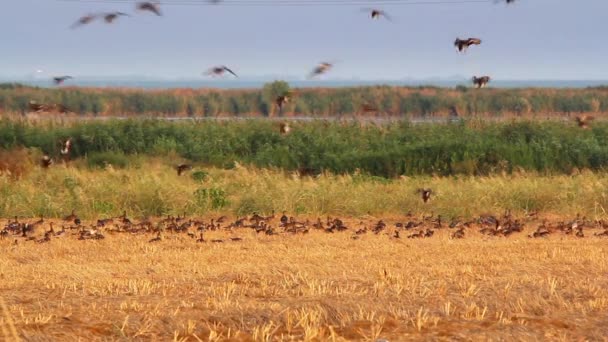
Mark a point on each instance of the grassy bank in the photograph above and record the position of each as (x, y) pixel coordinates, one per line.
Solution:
(154, 189)
(391, 150)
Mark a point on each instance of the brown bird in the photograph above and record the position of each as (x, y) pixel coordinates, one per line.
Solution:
(583, 121)
(320, 69)
(454, 112)
(425, 194)
(46, 161)
(59, 108)
(149, 6)
(284, 128)
(282, 100)
(110, 17)
(181, 168)
(367, 108)
(37, 107)
(219, 71)
(463, 44)
(377, 14)
(87, 19)
(60, 79)
(481, 82)
(71, 217)
(66, 147)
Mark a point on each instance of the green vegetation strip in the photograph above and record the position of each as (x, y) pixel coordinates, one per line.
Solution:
(389, 151)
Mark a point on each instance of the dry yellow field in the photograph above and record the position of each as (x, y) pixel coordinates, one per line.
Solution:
(311, 287)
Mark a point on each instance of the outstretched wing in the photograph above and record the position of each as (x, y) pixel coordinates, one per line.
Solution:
(230, 71)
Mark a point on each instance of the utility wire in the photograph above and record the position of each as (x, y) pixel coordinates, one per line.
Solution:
(270, 3)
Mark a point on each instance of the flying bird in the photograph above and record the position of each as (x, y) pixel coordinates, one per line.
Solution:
(285, 128)
(377, 14)
(283, 99)
(66, 147)
(219, 71)
(87, 19)
(110, 17)
(46, 161)
(60, 79)
(463, 44)
(425, 194)
(481, 82)
(149, 6)
(583, 121)
(181, 168)
(320, 69)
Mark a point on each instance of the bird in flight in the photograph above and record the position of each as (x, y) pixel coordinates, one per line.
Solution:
(87, 19)
(583, 121)
(463, 44)
(60, 79)
(110, 17)
(149, 6)
(425, 194)
(377, 14)
(220, 70)
(320, 69)
(481, 82)
(284, 128)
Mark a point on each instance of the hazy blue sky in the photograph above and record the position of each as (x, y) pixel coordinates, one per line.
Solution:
(532, 39)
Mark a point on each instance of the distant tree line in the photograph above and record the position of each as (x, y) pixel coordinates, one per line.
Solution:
(316, 102)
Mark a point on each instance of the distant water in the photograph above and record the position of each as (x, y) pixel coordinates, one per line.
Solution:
(246, 84)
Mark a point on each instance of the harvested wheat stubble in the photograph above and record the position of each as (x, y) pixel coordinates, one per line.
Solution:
(316, 287)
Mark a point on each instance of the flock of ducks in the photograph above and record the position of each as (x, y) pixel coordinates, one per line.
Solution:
(196, 229)
(321, 68)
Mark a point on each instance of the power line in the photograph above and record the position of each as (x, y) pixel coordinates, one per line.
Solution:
(294, 2)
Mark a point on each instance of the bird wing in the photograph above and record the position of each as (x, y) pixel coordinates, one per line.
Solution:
(386, 16)
(230, 71)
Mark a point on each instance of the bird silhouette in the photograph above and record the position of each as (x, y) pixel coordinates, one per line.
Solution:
(425, 194)
(84, 20)
(220, 70)
(375, 13)
(463, 44)
(60, 79)
(481, 82)
(320, 69)
(110, 17)
(583, 121)
(149, 6)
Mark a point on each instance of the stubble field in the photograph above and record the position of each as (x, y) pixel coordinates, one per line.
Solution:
(314, 286)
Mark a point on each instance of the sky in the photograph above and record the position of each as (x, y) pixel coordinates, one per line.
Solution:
(530, 39)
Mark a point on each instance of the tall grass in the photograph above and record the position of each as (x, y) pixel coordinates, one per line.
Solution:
(392, 150)
(154, 189)
(320, 102)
